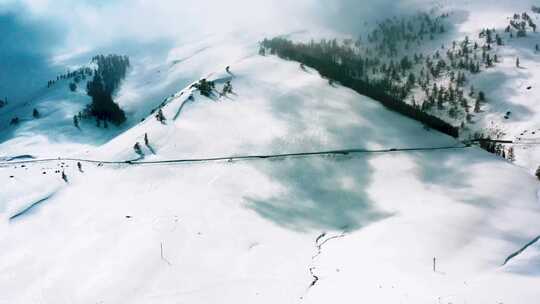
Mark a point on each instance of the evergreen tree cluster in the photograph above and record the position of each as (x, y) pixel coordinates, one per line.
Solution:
(77, 76)
(341, 63)
(520, 23)
(110, 72)
(499, 149)
(205, 87)
(393, 34)
(393, 58)
(488, 141)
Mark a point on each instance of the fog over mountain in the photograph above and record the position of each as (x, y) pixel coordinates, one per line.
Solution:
(40, 33)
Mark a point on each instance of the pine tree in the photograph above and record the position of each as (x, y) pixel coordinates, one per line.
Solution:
(227, 88)
(477, 106)
(75, 121)
(510, 155)
(137, 148)
(160, 117)
(35, 113)
(517, 62)
(411, 80)
(499, 40)
(489, 62)
(537, 173)
(481, 96)
(440, 100)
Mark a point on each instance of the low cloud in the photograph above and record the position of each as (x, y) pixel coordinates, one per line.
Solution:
(38, 31)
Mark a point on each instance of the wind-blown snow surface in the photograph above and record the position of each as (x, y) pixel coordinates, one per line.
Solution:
(252, 231)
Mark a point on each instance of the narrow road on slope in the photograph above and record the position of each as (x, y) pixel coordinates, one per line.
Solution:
(236, 157)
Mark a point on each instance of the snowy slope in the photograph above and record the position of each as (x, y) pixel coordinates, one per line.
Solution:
(362, 227)
(150, 80)
(306, 229)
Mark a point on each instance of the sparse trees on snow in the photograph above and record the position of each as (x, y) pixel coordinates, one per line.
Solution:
(227, 88)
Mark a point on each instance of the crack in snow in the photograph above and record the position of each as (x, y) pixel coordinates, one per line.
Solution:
(320, 241)
(163, 256)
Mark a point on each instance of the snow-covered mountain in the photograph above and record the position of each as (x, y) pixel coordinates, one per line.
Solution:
(225, 202)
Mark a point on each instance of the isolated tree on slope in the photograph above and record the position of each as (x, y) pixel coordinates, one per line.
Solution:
(227, 88)
(477, 106)
(160, 117)
(481, 96)
(137, 148)
(538, 173)
(471, 91)
(510, 155)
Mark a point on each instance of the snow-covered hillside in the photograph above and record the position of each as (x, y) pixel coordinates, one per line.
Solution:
(355, 227)
(225, 203)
